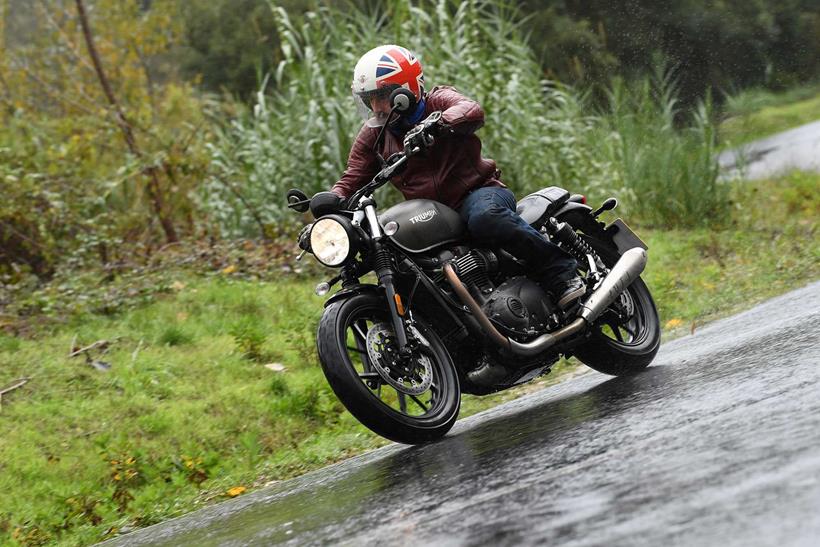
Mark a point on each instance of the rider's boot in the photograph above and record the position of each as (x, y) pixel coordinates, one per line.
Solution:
(569, 291)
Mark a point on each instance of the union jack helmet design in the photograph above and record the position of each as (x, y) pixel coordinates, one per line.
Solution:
(382, 70)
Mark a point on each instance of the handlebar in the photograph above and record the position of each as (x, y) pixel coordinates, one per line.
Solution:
(382, 177)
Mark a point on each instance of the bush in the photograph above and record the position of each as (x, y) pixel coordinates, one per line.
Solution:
(668, 176)
(249, 338)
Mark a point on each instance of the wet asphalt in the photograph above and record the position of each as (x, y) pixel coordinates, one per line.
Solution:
(797, 148)
(717, 443)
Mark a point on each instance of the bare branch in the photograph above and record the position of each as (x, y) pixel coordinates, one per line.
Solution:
(16, 385)
(154, 187)
(99, 344)
(56, 94)
(72, 48)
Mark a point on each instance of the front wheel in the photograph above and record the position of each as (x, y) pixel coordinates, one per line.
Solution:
(412, 400)
(626, 337)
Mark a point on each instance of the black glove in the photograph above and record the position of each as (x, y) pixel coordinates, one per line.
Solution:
(325, 203)
(304, 238)
(418, 139)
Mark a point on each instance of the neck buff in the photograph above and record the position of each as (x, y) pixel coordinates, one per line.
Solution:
(404, 123)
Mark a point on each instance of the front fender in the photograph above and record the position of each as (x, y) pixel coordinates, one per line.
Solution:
(353, 290)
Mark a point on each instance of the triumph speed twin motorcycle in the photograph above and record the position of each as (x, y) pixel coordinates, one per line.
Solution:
(447, 316)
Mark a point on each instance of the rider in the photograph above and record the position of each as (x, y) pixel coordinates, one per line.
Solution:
(453, 172)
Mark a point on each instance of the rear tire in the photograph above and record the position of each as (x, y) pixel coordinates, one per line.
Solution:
(410, 419)
(622, 343)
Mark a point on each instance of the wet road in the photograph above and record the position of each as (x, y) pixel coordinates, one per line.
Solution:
(797, 148)
(717, 443)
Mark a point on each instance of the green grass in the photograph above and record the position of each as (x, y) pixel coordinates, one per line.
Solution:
(189, 414)
(756, 114)
(666, 175)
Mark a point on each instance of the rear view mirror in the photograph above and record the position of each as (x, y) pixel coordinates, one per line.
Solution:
(298, 200)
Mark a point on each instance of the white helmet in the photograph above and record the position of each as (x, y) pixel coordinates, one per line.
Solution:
(381, 71)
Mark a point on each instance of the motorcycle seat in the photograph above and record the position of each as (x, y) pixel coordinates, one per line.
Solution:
(538, 207)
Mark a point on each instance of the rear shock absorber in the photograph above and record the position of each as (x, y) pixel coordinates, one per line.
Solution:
(570, 241)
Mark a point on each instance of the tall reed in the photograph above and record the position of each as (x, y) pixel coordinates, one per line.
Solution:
(668, 175)
(300, 130)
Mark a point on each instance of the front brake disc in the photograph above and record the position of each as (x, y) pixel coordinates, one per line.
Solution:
(412, 375)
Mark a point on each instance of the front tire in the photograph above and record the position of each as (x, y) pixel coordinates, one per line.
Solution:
(625, 339)
(410, 418)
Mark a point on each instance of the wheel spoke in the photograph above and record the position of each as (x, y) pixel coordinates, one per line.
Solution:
(370, 376)
(616, 331)
(357, 328)
(402, 402)
(357, 350)
(418, 402)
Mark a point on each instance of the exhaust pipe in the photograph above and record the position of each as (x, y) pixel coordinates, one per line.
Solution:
(625, 271)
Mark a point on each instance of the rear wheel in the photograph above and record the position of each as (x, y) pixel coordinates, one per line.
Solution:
(626, 337)
(409, 400)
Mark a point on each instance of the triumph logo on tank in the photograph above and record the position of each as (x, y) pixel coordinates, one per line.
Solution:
(424, 217)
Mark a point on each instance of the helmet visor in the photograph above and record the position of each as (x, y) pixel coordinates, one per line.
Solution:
(374, 106)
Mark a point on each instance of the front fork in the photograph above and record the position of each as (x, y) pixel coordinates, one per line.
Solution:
(383, 266)
(384, 271)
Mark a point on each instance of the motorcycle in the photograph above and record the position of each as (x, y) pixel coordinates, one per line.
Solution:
(447, 317)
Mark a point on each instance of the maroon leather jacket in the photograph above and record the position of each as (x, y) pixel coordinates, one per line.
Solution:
(446, 172)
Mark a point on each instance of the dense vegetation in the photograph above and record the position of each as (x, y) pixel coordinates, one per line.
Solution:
(726, 45)
(108, 161)
(142, 226)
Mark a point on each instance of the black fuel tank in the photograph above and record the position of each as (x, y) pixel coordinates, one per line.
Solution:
(423, 224)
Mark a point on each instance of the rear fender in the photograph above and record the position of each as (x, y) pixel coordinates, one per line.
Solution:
(617, 235)
(579, 216)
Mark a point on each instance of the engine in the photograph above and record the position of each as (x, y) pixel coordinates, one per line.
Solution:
(518, 306)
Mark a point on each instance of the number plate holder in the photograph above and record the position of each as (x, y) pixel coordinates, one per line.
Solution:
(623, 236)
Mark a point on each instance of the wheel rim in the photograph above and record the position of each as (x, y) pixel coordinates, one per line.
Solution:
(624, 323)
(382, 379)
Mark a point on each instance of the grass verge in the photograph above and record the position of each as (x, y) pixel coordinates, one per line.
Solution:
(213, 389)
(756, 114)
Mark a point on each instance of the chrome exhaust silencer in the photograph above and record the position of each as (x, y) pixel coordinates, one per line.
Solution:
(625, 271)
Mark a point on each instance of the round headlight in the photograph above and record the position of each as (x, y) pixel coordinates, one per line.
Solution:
(329, 241)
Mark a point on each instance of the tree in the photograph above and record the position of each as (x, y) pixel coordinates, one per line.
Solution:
(155, 189)
(100, 131)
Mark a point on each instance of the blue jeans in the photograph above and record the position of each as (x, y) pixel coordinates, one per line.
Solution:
(491, 220)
